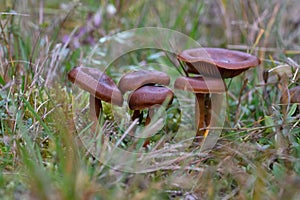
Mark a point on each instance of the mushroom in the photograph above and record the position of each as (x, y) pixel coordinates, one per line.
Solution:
(202, 88)
(213, 62)
(100, 86)
(134, 80)
(149, 97)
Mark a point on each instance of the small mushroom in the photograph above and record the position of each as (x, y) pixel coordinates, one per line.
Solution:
(213, 62)
(134, 80)
(148, 97)
(202, 88)
(100, 86)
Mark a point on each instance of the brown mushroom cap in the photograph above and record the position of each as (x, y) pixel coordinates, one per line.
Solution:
(148, 96)
(215, 61)
(295, 94)
(133, 80)
(97, 84)
(200, 85)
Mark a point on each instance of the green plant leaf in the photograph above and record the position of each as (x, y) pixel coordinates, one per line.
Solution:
(2, 82)
(293, 109)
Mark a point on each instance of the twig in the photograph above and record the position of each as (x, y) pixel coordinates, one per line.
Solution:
(173, 167)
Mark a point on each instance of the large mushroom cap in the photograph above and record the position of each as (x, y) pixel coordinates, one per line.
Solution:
(200, 85)
(97, 84)
(136, 79)
(148, 96)
(217, 61)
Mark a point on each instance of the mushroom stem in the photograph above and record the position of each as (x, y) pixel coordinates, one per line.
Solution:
(200, 116)
(149, 116)
(207, 109)
(136, 114)
(95, 110)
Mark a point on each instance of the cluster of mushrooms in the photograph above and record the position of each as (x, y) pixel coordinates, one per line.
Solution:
(205, 70)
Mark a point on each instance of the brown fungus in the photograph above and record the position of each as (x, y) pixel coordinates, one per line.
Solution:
(134, 80)
(215, 62)
(100, 86)
(148, 97)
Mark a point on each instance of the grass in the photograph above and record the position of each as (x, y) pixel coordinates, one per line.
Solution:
(42, 155)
